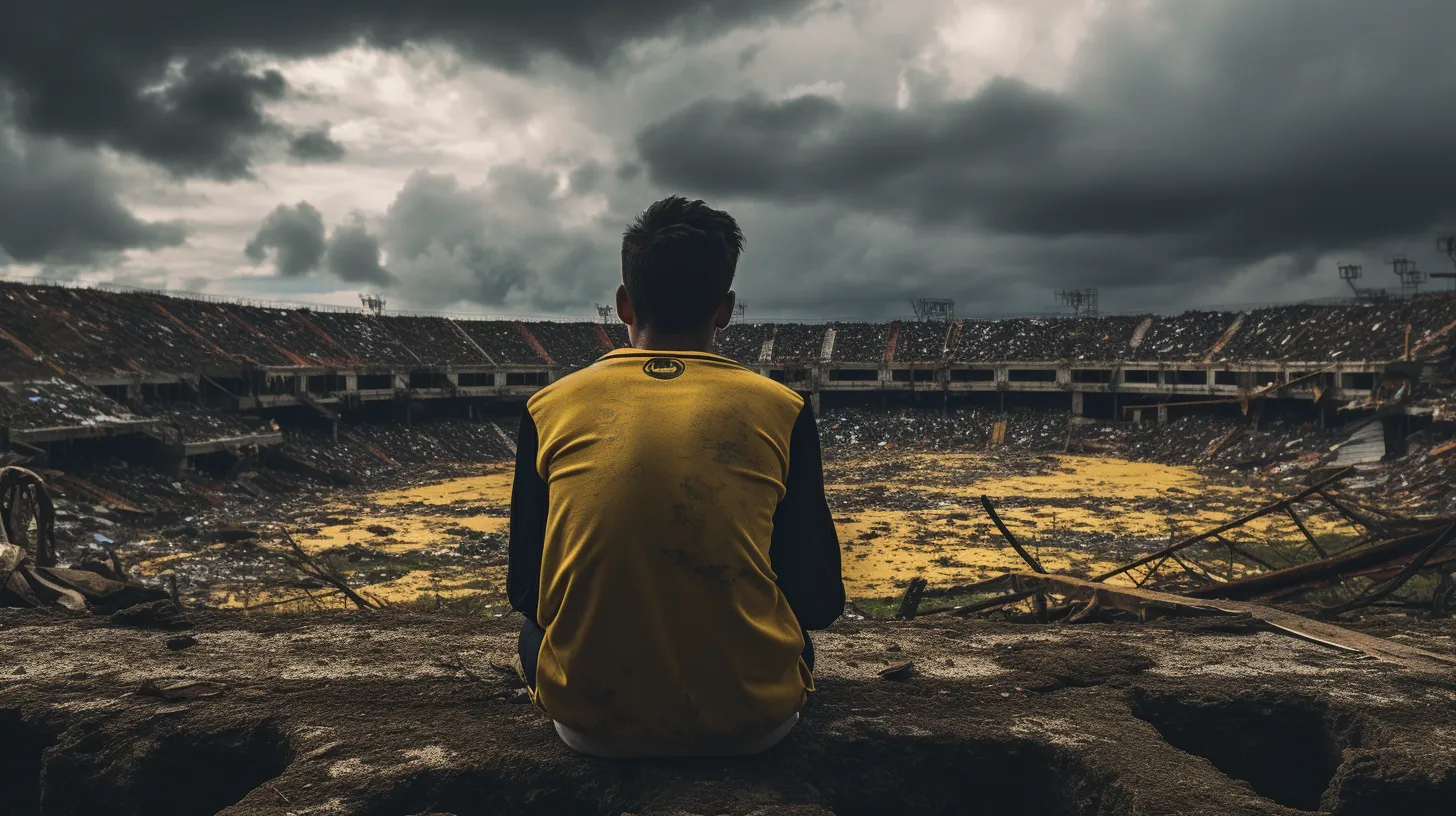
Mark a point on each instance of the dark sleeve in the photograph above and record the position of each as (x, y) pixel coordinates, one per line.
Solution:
(805, 549)
(528, 524)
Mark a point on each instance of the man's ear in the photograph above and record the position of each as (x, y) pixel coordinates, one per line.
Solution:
(624, 306)
(725, 310)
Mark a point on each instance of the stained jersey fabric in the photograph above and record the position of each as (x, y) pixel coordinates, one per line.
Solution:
(670, 534)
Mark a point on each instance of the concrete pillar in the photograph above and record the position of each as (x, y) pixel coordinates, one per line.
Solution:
(1162, 414)
(335, 430)
(1137, 416)
(1077, 398)
(814, 400)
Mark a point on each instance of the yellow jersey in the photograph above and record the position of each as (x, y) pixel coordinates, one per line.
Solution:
(670, 534)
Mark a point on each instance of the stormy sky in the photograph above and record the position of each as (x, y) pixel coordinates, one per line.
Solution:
(484, 157)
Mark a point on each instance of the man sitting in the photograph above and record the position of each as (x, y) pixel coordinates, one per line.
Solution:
(670, 539)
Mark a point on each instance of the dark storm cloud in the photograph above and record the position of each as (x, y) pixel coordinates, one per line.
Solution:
(162, 79)
(353, 255)
(201, 117)
(59, 206)
(1234, 130)
(436, 236)
(295, 236)
(316, 146)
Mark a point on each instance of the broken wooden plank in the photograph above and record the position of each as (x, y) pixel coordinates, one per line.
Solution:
(910, 603)
(1142, 601)
(983, 605)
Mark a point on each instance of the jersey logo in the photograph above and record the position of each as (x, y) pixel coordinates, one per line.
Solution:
(663, 368)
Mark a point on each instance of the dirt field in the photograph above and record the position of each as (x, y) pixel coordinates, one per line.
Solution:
(393, 714)
(899, 516)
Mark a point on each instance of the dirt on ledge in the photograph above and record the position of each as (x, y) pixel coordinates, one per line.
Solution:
(395, 714)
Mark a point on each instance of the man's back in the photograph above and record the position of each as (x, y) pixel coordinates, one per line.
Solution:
(674, 503)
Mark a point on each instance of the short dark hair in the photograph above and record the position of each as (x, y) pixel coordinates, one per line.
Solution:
(678, 260)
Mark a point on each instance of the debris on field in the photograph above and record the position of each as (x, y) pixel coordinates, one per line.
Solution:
(898, 672)
(159, 614)
(180, 690)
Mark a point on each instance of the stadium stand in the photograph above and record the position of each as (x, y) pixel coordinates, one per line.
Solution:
(1188, 336)
(860, 342)
(366, 337)
(798, 342)
(921, 342)
(744, 341)
(570, 345)
(436, 341)
(503, 341)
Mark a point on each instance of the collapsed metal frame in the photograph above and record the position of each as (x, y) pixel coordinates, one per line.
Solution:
(1388, 551)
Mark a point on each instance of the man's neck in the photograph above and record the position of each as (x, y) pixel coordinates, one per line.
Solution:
(649, 340)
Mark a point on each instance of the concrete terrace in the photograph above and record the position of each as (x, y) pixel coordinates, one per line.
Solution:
(71, 358)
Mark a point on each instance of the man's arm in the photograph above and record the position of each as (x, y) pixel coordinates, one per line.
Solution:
(528, 524)
(805, 549)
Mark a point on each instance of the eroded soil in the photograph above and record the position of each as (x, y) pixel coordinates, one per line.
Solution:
(392, 714)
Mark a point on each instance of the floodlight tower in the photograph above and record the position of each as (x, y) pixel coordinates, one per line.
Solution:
(1349, 273)
(740, 309)
(372, 302)
(933, 309)
(1411, 277)
(605, 313)
(1083, 302)
(1447, 244)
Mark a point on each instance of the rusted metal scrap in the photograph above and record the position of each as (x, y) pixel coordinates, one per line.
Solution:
(1319, 573)
(1011, 539)
(23, 499)
(1273, 507)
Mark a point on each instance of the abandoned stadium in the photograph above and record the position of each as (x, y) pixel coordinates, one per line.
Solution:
(1142, 564)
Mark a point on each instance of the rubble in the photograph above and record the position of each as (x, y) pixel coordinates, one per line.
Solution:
(59, 402)
(844, 430)
(191, 422)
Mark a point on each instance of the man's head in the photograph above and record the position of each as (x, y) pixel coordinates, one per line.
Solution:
(678, 260)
